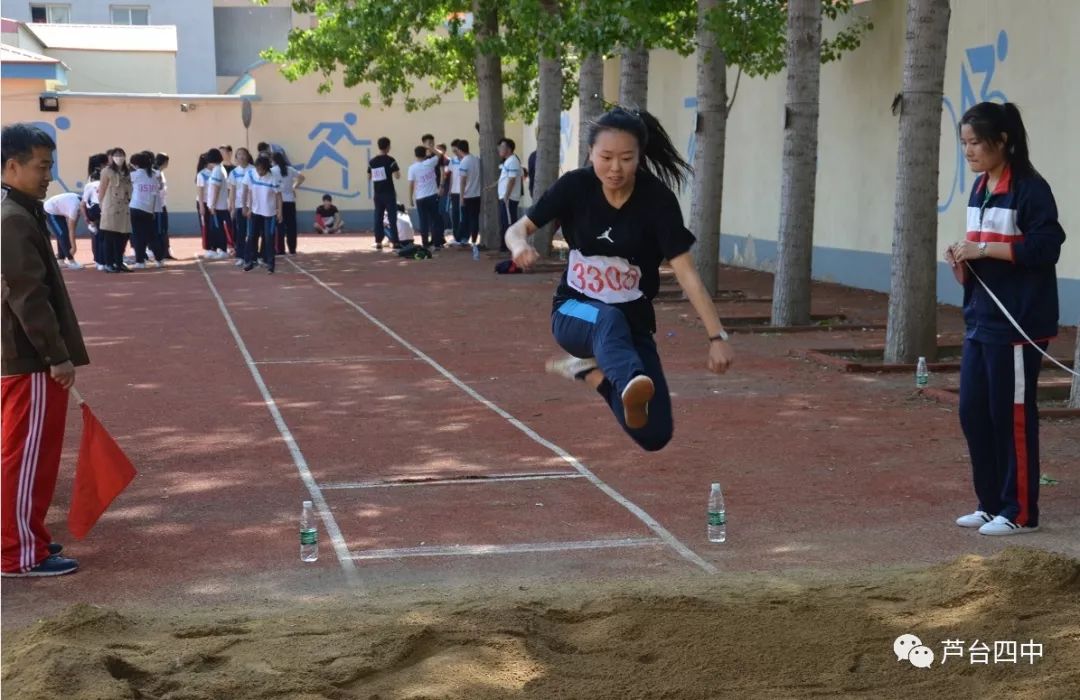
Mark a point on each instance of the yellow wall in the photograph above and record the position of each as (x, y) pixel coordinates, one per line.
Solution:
(119, 71)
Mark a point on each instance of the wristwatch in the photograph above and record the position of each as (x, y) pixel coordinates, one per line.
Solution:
(982, 249)
(722, 335)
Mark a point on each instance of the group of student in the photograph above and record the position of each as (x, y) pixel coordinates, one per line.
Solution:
(445, 187)
(123, 201)
(247, 206)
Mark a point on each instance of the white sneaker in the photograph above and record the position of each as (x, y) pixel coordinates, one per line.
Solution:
(635, 400)
(138, 266)
(571, 367)
(160, 263)
(208, 254)
(221, 254)
(239, 263)
(976, 519)
(74, 265)
(150, 256)
(1001, 525)
(100, 267)
(129, 260)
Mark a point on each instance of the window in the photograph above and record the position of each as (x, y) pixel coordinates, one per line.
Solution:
(130, 15)
(53, 14)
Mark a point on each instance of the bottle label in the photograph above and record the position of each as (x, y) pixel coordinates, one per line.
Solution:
(717, 517)
(309, 536)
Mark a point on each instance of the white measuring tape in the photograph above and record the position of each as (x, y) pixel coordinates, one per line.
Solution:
(1017, 325)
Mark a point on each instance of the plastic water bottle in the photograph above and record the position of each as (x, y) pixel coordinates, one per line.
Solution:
(717, 527)
(309, 534)
(922, 374)
(475, 252)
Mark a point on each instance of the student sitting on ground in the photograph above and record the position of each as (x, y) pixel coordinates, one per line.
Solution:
(404, 226)
(327, 217)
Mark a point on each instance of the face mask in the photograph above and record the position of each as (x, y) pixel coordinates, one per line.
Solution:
(118, 160)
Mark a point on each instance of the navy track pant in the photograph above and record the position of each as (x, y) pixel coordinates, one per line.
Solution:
(596, 329)
(1000, 419)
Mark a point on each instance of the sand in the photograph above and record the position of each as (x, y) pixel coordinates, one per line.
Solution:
(746, 636)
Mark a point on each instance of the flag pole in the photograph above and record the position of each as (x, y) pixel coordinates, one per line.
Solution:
(76, 395)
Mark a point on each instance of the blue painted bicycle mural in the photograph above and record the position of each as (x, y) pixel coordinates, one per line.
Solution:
(980, 61)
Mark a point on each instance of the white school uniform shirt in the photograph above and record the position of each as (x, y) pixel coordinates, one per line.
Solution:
(511, 167)
(202, 179)
(287, 182)
(90, 194)
(455, 176)
(423, 174)
(264, 192)
(144, 190)
(238, 180)
(219, 179)
(163, 193)
(66, 205)
(470, 166)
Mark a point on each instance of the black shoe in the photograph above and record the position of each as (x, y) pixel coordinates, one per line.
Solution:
(170, 257)
(55, 548)
(123, 268)
(249, 267)
(110, 269)
(269, 270)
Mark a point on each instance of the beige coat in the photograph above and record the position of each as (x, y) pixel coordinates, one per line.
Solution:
(115, 216)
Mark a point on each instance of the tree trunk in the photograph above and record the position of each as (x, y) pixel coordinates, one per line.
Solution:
(1074, 395)
(590, 100)
(912, 325)
(795, 239)
(634, 78)
(711, 128)
(489, 85)
(548, 131)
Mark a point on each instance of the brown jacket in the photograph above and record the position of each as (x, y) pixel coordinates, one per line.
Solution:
(39, 324)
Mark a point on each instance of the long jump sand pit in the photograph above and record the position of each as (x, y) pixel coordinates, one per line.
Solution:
(805, 635)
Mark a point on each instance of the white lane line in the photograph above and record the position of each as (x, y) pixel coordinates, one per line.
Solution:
(332, 530)
(325, 360)
(650, 522)
(457, 480)
(473, 550)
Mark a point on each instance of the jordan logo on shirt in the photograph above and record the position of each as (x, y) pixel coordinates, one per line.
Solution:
(605, 236)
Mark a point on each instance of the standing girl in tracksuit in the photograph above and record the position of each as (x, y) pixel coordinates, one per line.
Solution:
(1013, 243)
(262, 208)
(161, 161)
(621, 219)
(238, 178)
(217, 205)
(290, 180)
(202, 179)
(144, 193)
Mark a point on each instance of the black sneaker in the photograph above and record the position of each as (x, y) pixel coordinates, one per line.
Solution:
(269, 270)
(249, 267)
(55, 548)
(123, 268)
(53, 565)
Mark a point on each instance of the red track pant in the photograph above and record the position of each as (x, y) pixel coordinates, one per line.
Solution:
(34, 414)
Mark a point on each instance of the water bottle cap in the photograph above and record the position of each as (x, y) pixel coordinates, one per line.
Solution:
(716, 485)
(307, 504)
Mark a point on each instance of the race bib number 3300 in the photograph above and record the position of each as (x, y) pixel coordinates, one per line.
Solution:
(608, 279)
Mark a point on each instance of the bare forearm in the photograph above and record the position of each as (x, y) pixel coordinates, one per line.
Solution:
(517, 236)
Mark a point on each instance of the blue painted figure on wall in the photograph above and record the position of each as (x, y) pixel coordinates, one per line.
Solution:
(327, 149)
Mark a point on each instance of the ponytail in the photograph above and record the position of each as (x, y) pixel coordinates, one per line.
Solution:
(990, 120)
(282, 163)
(658, 153)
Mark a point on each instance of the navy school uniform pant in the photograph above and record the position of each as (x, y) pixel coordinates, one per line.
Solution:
(508, 216)
(260, 228)
(59, 226)
(223, 230)
(596, 329)
(386, 204)
(240, 230)
(162, 218)
(286, 233)
(1000, 419)
(144, 235)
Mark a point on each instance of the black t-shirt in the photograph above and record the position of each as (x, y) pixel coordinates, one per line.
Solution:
(389, 166)
(326, 211)
(647, 230)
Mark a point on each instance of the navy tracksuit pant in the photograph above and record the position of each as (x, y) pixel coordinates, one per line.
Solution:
(596, 329)
(1000, 419)
(59, 226)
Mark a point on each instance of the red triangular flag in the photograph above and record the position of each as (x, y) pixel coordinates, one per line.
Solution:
(103, 471)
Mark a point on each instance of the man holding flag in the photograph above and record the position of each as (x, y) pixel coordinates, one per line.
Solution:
(42, 345)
